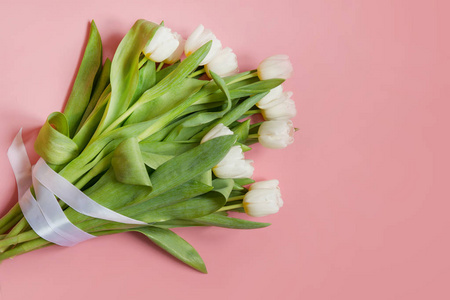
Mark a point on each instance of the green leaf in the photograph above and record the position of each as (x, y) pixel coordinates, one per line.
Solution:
(221, 84)
(242, 131)
(53, 143)
(192, 208)
(166, 71)
(177, 224)
(133, 201)
(128, 164)
(160, 105)
(205, 178)
(89, 126)
(147, 79)
(166, 148)
(223, 186)
(153, 160)
(175, 245)
(183, 192)
(100, 85)
(125, 70)
(234, 114)
(240, 182)
(188, 165)
(228, 222)
(82, 87)
(260, 86)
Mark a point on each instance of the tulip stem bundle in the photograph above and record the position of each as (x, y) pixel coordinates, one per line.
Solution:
(145, 137)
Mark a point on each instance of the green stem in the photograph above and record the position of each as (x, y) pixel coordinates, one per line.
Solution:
(11, 215)
(13, 233)
(252, 112)
(199, 72)
(160, 66)
(17, 239)
(24, 248)
(253, 136)
(248, 76)
(10, 224)
(235, 198)
(230, 207)
(142, 61)
(41, 243)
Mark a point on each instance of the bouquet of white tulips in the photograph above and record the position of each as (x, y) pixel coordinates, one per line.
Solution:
(147, 143)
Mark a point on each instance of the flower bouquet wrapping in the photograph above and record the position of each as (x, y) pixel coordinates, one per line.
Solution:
(150, 141)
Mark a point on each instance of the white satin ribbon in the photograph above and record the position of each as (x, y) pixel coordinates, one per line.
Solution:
(44, 213)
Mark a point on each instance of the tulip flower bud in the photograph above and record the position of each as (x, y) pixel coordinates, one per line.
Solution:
(263, 198)
(276, 134)
(277, 66)
(162, 45)
(176, 55)
(283, 108)
(271, 98)
(233, 165)
(223, 64)
(267, 184)
(216, 131)
(198, 38)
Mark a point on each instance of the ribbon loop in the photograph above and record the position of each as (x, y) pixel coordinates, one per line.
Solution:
(44, 214)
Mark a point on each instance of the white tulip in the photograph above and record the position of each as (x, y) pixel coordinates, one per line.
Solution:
(271, 98)
(276, 134)
(266, 184)
(176, 55)
(277, 66)
(223, 64)
(282, 109)
(263, 198)
(233, 165)
(216, 131)
(162, 45)
(198, 38)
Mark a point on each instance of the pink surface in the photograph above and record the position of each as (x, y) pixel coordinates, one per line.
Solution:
(365, 185)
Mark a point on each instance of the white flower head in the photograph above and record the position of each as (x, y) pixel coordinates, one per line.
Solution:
(282, 108)
(234, 165)
(198, 38)
(162, 45)
(271, 98)
(277, 66)
(266, 184)
(176, 55)
(263, 198)
(223, 64)
(216, 131)
(276, 134)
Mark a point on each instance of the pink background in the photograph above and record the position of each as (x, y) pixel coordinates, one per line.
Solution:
(365, 185)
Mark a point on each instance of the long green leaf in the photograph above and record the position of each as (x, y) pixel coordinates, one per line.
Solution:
(147, 79)
(228, 222)
(100, 85)
(175, 245)
(82, 87)
(125, 70)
